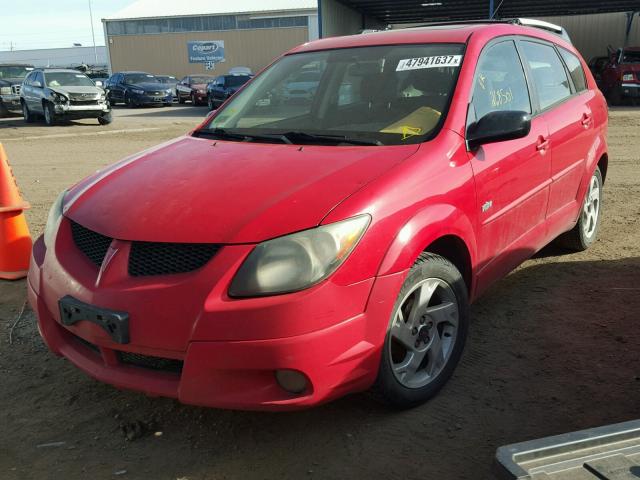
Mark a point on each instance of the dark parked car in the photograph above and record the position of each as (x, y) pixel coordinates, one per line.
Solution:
(194, 88)
(137, 88)
(57, 93)
(11, 76)
(223, 87)
(620, 78)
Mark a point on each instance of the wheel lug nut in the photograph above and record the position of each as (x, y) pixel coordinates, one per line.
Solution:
(414, 331)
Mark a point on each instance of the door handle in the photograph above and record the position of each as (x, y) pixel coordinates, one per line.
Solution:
(586, 120)
(543, 144)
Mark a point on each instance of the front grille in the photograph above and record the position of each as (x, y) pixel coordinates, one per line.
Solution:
(87, 344)
(15, 89)
(152, 363)
(83, 102)
(154, 258)
(92, 244)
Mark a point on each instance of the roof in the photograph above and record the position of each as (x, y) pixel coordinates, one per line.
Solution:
(413, 11)
(171, 8)
(458, 33)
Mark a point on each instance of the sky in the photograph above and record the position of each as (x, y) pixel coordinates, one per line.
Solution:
(29, 24)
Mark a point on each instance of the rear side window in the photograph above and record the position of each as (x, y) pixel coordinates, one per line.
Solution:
(500, 83)
(575, 69)
(549, 77)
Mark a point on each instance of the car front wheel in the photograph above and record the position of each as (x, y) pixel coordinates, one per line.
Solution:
(426, 335)
(49, 114)
(586, 229)
(28, 118)
(105, 118)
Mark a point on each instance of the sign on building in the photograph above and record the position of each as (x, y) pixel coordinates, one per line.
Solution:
(206, 51)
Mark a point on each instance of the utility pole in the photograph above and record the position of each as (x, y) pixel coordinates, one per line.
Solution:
(95, 50)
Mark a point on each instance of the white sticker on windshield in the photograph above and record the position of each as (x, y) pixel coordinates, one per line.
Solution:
(429, 62)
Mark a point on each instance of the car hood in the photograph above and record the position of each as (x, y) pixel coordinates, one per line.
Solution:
(150, 86)
(189, 190)
(199, 86)
(71, 90)
(7, 82)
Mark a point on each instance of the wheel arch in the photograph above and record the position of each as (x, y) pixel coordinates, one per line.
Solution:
(603, 164)
(441, 229)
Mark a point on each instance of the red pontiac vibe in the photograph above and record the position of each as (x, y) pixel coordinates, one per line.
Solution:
(291, 250)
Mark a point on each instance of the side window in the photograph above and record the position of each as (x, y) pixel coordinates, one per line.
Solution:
(549, 77)
(500, 82)
(40, 78)
(575, 69)
(29, 78)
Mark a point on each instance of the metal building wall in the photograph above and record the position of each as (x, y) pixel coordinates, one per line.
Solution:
(338, 19)
(166, 53)
(56, 57)
(591, 34)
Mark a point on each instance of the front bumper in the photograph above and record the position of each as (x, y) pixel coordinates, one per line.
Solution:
(11, 102)
(228, 349)
(81, 111)
(200, 97)
(630, 90)
(151, 99)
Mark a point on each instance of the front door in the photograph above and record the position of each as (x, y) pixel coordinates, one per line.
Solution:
(512, 177)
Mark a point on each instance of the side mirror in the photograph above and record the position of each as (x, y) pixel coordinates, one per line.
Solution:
(36, 84)
(498, 126)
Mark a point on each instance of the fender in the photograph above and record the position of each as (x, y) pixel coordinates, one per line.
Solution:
(425, 227)
(597, 150)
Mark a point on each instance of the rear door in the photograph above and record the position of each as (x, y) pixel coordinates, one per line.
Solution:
(564, 104)
(512, 177)
(37, 93)
(117, 87)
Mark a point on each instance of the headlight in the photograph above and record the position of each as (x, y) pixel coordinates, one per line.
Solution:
(168, 90)
(5, 90)
(627, 77)
(53, 220)
(298, 261)
(202, 91)
(137, 91)
(59, 98)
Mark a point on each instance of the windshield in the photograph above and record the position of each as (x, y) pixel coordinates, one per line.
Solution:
(14, 72)
(167, 79)
(392, 95)
(629, 56)
(67, 79)
(235, 80)
(133, 78)
(203, 79)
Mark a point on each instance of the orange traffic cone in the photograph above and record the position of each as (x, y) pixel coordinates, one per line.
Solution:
(15, 241)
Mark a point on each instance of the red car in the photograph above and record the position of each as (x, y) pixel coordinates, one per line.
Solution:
(193, 88)
(286, 253)
(620, 77)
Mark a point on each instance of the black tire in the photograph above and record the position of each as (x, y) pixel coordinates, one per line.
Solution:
(49, 114)
(193, 99)
(387, 386)
(180, 99)
(26, 113)
(3, 111)
(128, 102)
(577, 238)
(105, 118)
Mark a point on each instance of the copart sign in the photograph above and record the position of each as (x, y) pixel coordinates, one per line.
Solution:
(206, 51)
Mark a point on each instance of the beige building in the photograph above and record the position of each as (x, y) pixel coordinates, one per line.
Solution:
(152, 35)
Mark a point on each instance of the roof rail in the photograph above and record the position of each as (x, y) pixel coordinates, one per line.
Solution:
(525, 22)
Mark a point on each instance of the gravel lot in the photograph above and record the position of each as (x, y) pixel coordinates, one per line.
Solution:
(552, 348)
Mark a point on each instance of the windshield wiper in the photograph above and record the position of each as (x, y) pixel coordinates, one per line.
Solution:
(312, 137)
(223, 134)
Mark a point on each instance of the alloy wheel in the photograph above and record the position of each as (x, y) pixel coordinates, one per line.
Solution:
(591, 208)
(423, 333)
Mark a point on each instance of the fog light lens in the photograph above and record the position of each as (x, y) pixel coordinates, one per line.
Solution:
(292, 381)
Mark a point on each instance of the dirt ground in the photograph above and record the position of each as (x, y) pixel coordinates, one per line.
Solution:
(552, 348)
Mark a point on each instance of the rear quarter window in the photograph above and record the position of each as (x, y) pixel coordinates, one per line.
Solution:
(575, 69)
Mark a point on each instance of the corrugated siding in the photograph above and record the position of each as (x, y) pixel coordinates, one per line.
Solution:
(167, 53)
(591, 34)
